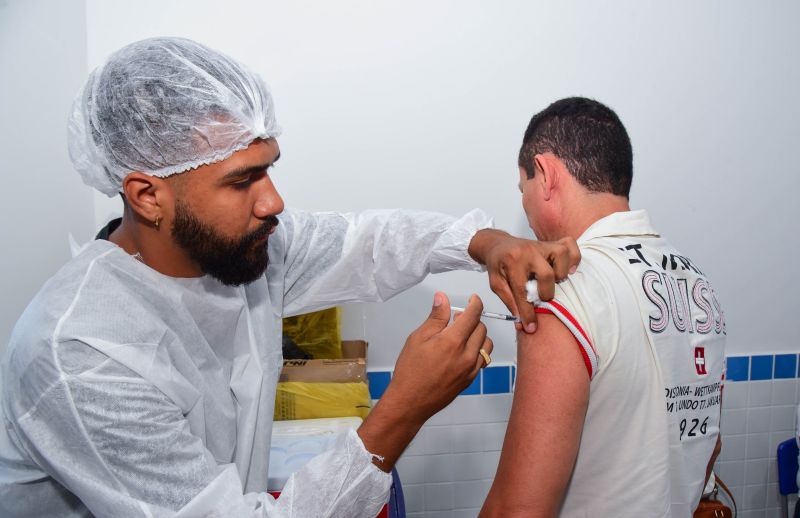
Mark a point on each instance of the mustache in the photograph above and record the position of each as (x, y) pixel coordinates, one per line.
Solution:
(262, 231)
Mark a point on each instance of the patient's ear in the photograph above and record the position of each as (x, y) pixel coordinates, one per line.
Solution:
(551, 170)
(149, 197)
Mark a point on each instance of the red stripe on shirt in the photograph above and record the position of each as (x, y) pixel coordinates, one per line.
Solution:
(569, 316)
(586, 359)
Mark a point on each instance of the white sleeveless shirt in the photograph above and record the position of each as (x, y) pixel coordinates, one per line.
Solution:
(652, 334)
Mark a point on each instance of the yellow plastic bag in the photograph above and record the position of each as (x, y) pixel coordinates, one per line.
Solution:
(316, 333)
(300, 400)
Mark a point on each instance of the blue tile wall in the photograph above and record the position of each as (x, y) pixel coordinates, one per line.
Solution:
(785, 365)
(474, 387)
(378, 381)
(499, 379)
(738, 368)
(761, 367)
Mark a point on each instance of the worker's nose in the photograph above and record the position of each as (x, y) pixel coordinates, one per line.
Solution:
(269, 202)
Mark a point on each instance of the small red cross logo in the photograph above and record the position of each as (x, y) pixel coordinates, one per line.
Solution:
(700, 360)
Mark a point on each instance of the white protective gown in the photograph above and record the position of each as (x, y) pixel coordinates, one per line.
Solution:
(129, 393)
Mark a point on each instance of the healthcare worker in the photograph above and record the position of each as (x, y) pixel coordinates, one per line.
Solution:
(141, 379)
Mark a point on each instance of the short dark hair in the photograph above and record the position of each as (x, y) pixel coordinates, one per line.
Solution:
(588, 137)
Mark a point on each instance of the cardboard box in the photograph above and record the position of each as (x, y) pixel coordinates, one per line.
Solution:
(352, 367)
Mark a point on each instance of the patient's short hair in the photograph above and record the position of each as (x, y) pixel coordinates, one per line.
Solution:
(588, 137)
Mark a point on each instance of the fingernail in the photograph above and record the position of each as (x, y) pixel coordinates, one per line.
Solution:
(437, 300)
(530, 328)
(573, 269)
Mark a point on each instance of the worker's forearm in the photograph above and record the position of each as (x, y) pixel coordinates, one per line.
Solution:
(389, 429)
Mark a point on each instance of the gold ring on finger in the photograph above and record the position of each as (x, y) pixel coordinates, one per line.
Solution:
(487, 360)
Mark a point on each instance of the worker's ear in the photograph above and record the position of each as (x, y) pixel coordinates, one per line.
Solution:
(149, 197)
(550, 167)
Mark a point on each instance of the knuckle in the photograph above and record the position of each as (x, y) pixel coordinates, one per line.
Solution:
(545, 275)
(452, 342)
(496, 284)
(547, 247)
(511, 255)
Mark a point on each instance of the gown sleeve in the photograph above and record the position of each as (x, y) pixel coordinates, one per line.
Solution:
(333, 258)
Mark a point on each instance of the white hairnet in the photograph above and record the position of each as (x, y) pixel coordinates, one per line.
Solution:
(163, 106)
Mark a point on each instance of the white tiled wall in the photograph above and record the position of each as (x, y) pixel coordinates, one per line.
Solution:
(756, 417)
(448, 469)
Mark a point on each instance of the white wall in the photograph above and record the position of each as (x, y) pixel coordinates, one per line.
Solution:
(423, 104)
(42, 65)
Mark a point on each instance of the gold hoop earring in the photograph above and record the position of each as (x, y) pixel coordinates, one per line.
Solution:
(157, 222)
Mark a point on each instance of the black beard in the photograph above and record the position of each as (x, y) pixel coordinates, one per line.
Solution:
(233, 262)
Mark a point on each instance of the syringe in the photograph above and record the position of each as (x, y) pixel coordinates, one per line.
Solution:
(489, 314)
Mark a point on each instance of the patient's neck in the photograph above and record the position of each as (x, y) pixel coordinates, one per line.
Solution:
(582, 210)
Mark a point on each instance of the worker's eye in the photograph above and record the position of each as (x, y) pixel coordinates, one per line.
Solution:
(246, 181)
(242, 184)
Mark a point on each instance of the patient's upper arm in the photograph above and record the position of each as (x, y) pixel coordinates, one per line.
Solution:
(544, 430)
